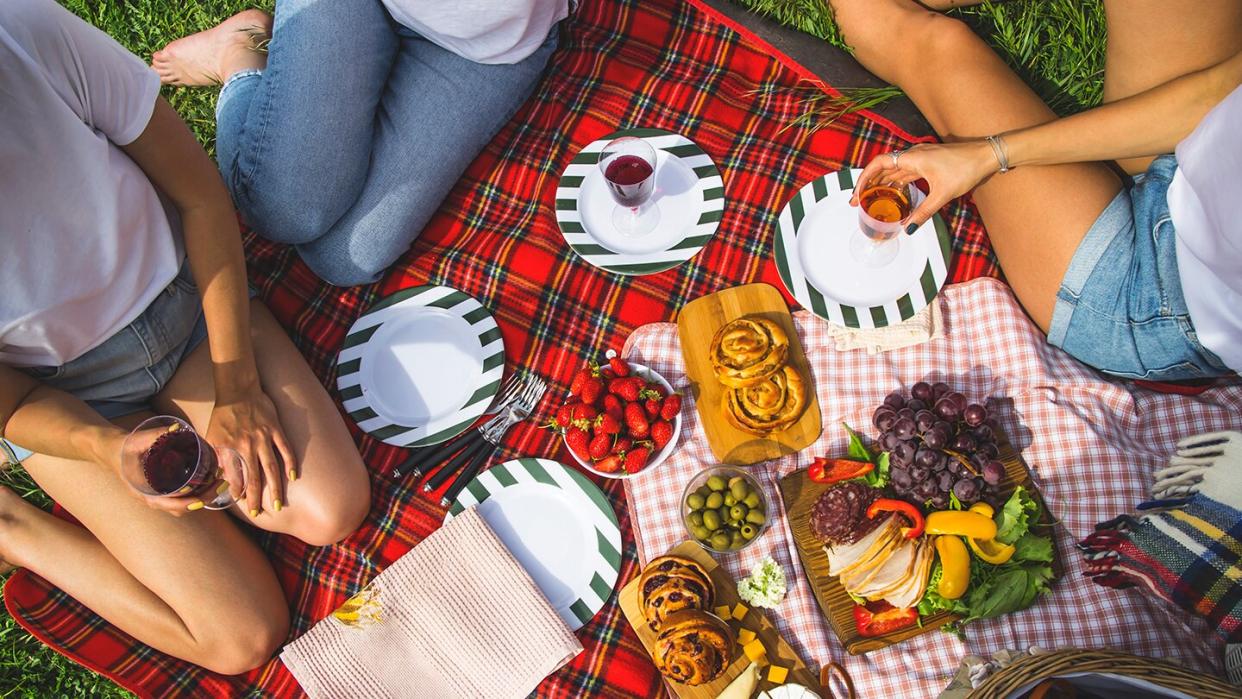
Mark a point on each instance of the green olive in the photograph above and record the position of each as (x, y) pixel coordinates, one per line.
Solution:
(749, 531)
(714, 501)
(724, 513)
(695, 518)
(703, 491)
(737, 512)
(711, 519)
(716, 483)
(696, 501)
(729, 500)
(736, 479)
(739, 490)
(720, 541)
(752, 500)
(701, 533)
(756, 517)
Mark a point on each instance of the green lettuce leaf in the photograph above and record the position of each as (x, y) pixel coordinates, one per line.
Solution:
(933, 603)
(1010, 588)
(1032, 547)
(1014, 519)
(878, 478)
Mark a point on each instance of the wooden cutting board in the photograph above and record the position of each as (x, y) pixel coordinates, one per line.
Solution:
(697, 323)
(799, 493)
(778, 651)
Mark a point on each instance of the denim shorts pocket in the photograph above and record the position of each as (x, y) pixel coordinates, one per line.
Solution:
(43, 373)
(184, 281)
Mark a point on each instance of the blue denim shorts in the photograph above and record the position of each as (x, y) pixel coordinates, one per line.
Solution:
(1120, 307)
(121, 375)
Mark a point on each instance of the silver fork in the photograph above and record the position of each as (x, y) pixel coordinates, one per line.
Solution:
(493, 433)
(509, 391)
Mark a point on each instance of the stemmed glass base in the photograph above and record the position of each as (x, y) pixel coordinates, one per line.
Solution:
(634, 222)
(872, 252)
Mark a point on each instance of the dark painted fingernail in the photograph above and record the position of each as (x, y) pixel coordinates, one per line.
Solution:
(910, 229)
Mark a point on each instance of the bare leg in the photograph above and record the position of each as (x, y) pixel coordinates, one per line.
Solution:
(332, 494)
(211, 56)
(1036, 216)
(192, 586)
(1150, 42)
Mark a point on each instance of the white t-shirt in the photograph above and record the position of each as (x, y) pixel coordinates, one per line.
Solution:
(1205, 202)
(88, 244)
(483, 31)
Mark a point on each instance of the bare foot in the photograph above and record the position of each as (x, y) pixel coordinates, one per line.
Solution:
(210, 57)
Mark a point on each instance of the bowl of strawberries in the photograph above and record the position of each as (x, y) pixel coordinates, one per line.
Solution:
(620, 419)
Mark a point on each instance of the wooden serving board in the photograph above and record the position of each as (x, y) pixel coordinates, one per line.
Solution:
(799, 493)
(697, 323)
(778, 651)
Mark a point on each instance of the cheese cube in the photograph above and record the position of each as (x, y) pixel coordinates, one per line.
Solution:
(739, 611)
(745, 636)
(777, 674)
(723, 612)
(754, 650)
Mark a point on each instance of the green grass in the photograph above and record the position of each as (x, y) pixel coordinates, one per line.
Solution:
(1058, 45)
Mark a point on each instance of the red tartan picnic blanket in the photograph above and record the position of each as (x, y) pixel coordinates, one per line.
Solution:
(673, 65)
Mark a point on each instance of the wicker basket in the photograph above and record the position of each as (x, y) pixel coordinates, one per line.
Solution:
(1063, 662)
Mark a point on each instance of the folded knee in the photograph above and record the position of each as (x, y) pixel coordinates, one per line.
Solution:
(330, 520)
(239, 645)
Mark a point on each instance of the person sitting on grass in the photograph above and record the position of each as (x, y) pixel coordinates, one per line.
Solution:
(342, 126)
(122, 293)
(1140, 279)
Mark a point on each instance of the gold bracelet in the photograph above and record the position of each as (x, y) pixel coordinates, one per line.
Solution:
(1002, 153)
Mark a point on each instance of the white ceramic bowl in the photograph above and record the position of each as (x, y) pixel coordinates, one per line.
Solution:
(658, 457)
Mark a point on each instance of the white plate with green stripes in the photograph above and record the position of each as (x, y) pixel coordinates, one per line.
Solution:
(420, 366)
(815, 263)
(689, 193)
(558, 525)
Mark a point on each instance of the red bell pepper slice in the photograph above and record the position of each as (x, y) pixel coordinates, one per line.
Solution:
(880, 618)
(836, 470)
(902, 508)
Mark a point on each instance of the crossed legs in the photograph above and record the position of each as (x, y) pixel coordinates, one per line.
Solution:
(194, 586)
(1036, 216)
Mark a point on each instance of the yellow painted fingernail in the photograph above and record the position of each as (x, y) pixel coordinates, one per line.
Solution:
(293, 475)
(197, 505)
(184, 490)
(276, 504)
(254, 513)
(223, 487)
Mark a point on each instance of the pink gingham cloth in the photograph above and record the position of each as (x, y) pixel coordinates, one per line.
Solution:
(1092, 444)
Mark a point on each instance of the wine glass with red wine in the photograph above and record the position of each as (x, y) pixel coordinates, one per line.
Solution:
(164, 456)
(883, 210)
(629, 167)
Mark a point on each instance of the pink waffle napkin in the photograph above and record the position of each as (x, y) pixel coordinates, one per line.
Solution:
(459, 617)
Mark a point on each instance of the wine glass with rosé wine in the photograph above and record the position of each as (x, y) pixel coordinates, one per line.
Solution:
(883, 210)
(165, 457)
(629, 167)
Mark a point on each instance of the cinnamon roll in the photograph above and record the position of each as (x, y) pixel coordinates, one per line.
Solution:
(770, 406)
(748, 350)
(670, 584)
(693, 647)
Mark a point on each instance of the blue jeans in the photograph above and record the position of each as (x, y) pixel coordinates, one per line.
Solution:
(1120, 307)
(349, 139)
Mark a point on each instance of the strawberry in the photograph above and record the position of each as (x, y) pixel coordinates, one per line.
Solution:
(591, 390)
(619, 366)
(564, 416)
(626, 388)
(636, 459)
(583, 375)
(613, 406)
(653, 391)
(652, 406)
(609, 464)
(599, 446)
(579, 443)
(623, 445)
(661, 433)
(582, 411)
(636, 421)
(671, 407)
(606, 424)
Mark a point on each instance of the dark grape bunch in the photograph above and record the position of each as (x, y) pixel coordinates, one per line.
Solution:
(939, 444)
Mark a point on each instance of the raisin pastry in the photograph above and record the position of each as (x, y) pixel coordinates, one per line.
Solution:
(693, 647)
(748, 350)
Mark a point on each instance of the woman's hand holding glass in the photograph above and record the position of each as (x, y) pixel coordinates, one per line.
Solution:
(950, 170)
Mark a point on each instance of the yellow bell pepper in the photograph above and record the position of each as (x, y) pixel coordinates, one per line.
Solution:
(983, 508)
(968, 524)
(991, 550)
(955, 564)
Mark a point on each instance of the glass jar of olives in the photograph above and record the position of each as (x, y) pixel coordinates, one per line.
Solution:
(723, 509)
